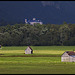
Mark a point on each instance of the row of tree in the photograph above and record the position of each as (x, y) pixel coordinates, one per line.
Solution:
(37, 35)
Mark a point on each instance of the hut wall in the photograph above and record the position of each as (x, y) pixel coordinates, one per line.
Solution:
(72, 59)
(65, 58)
(28, 51)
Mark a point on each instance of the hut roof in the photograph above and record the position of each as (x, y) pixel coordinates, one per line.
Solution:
(70, 52)
(30, 47)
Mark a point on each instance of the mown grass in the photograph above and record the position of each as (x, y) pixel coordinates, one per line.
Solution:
(35, 65)
(44, 60)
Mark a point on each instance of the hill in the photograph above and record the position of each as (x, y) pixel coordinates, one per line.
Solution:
(54, 12)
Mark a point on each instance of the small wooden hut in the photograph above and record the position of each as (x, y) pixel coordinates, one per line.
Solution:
(0, 46)
(29, 50)
(68, 56)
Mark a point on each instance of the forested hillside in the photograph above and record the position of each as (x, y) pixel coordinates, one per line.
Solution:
(46, 34)
(54, 12)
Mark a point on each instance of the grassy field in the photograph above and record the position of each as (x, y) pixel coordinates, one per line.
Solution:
(44, 60)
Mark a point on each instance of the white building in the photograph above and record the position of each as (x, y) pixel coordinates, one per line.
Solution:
(34, 21)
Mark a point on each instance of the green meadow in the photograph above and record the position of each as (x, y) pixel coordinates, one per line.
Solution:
(44, 60)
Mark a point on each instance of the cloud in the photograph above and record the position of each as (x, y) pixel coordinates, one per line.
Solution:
(47, 3)
(56, 4)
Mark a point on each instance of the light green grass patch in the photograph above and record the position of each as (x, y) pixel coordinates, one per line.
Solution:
(48, 51)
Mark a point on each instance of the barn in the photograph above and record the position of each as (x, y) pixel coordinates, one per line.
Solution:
(68, 56)
(0, 46)
(29, 50)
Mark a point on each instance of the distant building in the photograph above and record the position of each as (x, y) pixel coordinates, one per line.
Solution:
(34, 21)
(29, 50)
(68, 56)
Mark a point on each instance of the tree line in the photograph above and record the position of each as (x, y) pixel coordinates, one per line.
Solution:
(37, 35)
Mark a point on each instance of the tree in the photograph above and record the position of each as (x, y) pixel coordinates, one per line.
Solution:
(45, 34)
(16, 37)
(64, 33)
